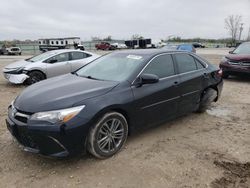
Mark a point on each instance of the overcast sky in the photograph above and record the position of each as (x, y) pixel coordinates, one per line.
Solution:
(158, 19)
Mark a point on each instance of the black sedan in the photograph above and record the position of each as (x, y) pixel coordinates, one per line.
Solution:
(96, 107)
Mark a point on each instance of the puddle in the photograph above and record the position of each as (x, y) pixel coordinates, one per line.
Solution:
(219, 112)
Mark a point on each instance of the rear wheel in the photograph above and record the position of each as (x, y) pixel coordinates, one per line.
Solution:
(34, 76)
(208, 96)
(108, 135)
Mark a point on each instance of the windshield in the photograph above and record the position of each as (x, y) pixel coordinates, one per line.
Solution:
(113, 67)
(41, 57)
(244, 48)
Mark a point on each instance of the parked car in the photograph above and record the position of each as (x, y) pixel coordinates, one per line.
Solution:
(47, 65)
(11, 51)
(119, 46)
(96, 107)
(104, 46)
(170, 47)
(237, 62)
(186, 47)
(198, 45)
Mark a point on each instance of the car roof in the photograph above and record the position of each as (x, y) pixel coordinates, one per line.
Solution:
(68, 50)
(148, 52)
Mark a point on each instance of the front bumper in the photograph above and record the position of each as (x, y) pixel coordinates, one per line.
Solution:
(50, 140)
(234, 69)
(16, 78)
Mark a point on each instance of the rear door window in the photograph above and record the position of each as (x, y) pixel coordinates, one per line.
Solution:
(185, 63)
(199, 64)
(162, 66)
(79, 55)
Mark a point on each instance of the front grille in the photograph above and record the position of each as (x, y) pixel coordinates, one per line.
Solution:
(240, 63)
(19, 115)
(21, 118)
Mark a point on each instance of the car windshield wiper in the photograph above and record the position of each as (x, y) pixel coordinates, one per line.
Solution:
(75, 73)
(90, 77)
(29, 60)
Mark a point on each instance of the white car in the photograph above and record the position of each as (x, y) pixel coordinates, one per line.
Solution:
(11, 51)
(47, 65)
(119, 46)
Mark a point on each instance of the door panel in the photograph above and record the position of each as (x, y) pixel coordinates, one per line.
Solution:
(190, 88)
(61, 66)
(155, 103)
(190, 82)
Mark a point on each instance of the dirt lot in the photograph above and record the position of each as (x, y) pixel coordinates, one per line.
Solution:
(198, 150)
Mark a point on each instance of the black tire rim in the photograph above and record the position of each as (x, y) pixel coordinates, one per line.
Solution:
(110, 135)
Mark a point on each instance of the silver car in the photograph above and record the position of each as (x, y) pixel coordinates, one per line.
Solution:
(47, 65)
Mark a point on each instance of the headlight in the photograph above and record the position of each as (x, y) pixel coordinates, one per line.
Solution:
(55, 116)
(224, 59)
(16, 71)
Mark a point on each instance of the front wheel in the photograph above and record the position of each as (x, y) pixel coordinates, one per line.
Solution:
(225, 75)
(34, 76)
(208, 96)
(108, 135)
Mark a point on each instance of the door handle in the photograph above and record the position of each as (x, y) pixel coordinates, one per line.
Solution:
(205, 75)
(175, 83)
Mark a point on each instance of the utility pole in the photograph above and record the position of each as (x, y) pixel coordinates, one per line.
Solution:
(241, 29)
(248, 37)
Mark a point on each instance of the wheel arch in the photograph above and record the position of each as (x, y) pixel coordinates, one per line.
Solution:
(211, 87)
(117, 109)
(32, 70)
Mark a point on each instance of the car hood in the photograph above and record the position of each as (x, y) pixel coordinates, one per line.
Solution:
(60, 92)
(238, 57)
(17, 64)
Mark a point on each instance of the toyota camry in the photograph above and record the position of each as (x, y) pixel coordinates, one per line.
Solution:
(96, 107)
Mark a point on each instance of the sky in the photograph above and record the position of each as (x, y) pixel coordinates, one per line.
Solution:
(156, 19)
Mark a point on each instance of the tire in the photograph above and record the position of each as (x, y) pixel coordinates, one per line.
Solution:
(208, 96)
(225, 75)
(108, 135)
(34, 76)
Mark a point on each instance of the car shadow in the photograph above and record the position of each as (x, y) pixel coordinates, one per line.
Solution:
(239, 78)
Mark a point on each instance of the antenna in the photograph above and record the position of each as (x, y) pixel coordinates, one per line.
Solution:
(241, 29)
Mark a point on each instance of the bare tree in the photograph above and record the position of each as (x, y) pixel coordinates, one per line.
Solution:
(96, 38)
(108, 38)
(232, 24)
(136, 36)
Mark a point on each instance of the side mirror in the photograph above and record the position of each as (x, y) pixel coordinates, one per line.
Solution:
(52, 61)
(147, 79)
(231, 52)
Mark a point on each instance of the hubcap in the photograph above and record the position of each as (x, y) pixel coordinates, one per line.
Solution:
(110, 135)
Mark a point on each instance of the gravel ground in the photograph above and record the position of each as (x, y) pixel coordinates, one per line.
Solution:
(198, 150)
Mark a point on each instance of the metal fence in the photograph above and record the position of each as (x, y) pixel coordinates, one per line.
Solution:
(33, 48)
